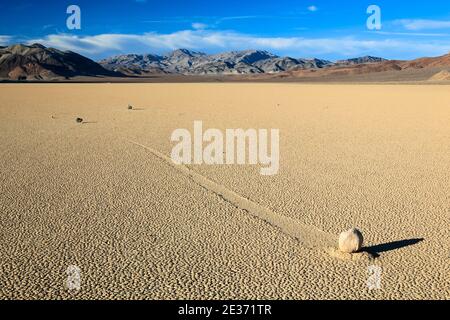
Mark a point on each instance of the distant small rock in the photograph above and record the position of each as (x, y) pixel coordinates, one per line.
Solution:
(350, 241)
(130, 107)
(79, 120)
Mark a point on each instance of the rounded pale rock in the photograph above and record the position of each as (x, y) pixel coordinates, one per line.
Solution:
(350, 241)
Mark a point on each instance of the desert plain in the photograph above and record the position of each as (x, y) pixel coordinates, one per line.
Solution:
(101, 195)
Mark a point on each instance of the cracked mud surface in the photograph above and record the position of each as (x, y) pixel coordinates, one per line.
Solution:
(374, 157)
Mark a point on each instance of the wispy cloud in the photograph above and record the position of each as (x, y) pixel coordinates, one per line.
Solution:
(229, 18)
(312, 8)
(211, 21)
(167, 21)
(420, 24)
(214, 41)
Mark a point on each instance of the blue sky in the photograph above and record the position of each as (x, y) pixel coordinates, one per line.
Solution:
(314, 28)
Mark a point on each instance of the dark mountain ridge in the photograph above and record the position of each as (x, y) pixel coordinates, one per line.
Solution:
(36, 62)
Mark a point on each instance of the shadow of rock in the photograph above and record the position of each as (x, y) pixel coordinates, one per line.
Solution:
(379, 248)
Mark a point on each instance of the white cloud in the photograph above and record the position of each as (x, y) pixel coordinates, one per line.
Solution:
(419, 24)
(199, 26)
(411, 34)
(4, 40)
(312, 8)
(102, 45)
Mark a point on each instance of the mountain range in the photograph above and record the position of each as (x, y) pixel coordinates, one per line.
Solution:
(183, 61)
(37, 62)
